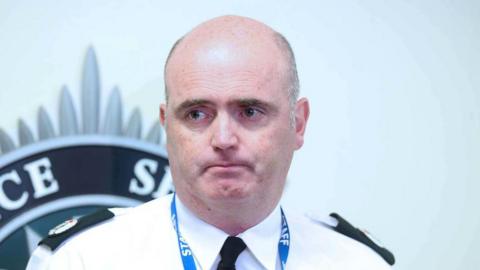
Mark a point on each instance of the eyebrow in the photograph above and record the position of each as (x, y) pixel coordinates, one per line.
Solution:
(191, 103)
(245, 102)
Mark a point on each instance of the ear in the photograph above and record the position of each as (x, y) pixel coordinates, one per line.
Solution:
(302, 111)
(163, 114)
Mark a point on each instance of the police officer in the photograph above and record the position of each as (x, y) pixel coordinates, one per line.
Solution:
(233, 121)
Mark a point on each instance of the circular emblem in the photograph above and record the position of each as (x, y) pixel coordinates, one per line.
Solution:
(43, 184)
(63, 227)
(84, 167)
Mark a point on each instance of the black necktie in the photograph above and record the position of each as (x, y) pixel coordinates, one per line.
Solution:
(232, 247)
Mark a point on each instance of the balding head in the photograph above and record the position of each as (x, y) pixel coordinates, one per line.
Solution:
(233, 40)
(233, 120)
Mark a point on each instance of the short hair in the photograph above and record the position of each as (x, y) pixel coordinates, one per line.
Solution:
(283, 44)
(175, 45)
(294, 83)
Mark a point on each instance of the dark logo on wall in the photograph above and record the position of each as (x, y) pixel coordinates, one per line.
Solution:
(77, 170)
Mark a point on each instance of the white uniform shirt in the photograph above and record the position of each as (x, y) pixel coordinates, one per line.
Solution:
(143, 238)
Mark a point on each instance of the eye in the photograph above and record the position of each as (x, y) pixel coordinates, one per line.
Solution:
(251, 112)
(196, 115)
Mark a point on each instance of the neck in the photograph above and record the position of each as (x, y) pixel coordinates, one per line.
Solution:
(232, 217)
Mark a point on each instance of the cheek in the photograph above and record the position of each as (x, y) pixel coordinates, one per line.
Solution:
(182, 152)
(186, 147)
(273, 149)
(179, 144)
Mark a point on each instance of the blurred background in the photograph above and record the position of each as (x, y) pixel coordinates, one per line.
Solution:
(393, 142)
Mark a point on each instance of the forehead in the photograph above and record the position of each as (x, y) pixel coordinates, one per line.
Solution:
(225, 84)
(226, 68)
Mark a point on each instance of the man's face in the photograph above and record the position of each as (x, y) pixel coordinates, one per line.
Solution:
(229, 129)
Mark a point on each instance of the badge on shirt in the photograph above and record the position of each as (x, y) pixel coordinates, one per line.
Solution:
(63, 227)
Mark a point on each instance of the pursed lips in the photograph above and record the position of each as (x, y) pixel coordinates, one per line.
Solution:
(226, 166)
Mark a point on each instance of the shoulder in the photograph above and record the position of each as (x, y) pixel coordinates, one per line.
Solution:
(103, 234)
(108, 223)
(69, 228)
(335, 240)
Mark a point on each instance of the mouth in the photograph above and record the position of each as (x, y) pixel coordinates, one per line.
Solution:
(226, 166)
(227, 169)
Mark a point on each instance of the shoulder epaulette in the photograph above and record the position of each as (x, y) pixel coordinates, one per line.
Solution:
(67, 229)
(345, 228)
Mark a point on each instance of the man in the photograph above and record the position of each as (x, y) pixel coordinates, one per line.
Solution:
(233, 122)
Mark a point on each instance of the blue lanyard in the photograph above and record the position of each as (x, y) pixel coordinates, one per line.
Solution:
(187, 254)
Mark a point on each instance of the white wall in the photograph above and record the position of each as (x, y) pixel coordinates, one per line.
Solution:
(394, 137)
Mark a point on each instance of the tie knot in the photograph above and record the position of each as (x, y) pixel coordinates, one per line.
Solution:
(232, 247)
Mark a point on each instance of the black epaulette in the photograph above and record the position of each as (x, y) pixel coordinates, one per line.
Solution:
(345, 228)
(67, 229)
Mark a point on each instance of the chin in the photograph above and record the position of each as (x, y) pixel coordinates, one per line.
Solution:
(228, 191)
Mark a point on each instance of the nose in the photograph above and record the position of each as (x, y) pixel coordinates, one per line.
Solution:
(224, 133)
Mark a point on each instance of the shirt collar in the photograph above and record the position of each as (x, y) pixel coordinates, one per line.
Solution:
(262, 239)
(206, 240)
